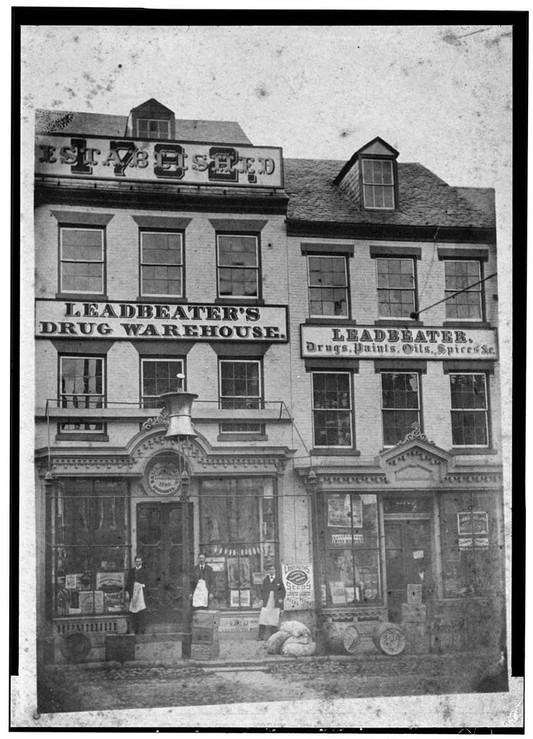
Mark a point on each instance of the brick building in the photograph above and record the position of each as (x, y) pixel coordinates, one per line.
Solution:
(343, 431)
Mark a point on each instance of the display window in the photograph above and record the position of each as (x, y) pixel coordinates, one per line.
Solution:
(89, 549)
(349, 565)
(239, 536)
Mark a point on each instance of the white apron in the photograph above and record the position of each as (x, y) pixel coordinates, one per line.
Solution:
(200, 596)
(269, 615)
(137, 600)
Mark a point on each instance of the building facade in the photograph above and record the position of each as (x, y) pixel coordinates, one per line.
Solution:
(347, 416)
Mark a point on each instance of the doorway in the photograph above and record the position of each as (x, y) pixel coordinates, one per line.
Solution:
(164, 530)
(408, 560)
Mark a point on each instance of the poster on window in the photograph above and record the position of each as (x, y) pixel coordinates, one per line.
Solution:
(217, 564)
(298, 581)
(473, 522)
(239, 577)
(338, 593)
(91, 601)
(342, 513)
(73, 581)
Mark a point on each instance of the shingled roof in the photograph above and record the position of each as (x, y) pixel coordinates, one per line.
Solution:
(425, 199)
(96, 124)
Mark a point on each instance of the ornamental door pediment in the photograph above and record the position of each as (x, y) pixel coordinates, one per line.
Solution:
(414, 460)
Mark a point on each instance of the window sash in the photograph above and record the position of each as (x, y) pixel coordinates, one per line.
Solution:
(328, 287)
(332, 410)
(153, 128)
(237, 278)
(469, 421)
(157, 269)
(247, 399)
(88, 268)
(87, 397)
(162, 384)
(399, 415)
(378, 184)
(470, 303)
(396, 286)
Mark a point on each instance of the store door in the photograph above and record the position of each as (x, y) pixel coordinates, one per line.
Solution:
(162, 533)
(408, 559)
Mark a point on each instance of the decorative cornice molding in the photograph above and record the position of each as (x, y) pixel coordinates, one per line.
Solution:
(352, 478)
(474, 478)
(415, 435)
(415, 453)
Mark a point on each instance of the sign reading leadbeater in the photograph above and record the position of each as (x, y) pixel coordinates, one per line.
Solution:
(121, 320)
(370, 342)
(163, 161)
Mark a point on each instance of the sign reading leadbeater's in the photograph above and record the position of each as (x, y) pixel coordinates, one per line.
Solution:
(121, 320)
(162, 161)
(371, 342)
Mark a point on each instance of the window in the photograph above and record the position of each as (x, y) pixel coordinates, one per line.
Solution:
(458, 276)
(328, 286)
(349, 565)
(89, 553)
(81, 260)
(469, 409)
(400, 405)
(150, 128)
(238, 266)
(161, 264)
(332, 409)
(240, 387)
(82, 385)
(378, 183)
(396, 287)
(158, 376)
(238, 529)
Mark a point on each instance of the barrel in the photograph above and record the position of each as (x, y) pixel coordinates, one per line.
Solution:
(389, 638)
(343, 642)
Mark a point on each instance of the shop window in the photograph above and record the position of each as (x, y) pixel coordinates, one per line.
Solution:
(332, 409)
(396, 287)
(152, 128)
(459, 275)
(328, 286)
(239, 536)
(350, 553)
(240, 388)
(89, 552)
(469, 410)
(158, 376)
(471, 563)
(161, 264)
(238, 266)
(82, 385)
(378, 184)
(400, 405)
(81, 260)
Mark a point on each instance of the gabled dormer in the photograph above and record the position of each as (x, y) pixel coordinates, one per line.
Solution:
(370, 177)
(151, 120)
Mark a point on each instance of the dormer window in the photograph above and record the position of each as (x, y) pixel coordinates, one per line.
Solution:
(378, 183)
(151, 128)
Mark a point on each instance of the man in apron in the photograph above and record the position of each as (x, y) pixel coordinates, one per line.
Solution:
(202, 583)
(135, 584)
(273, 592)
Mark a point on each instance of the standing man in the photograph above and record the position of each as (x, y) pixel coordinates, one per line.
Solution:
(202, 583)
(135, 584)
(273, 592)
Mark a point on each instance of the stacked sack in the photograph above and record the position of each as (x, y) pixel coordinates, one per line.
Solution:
(293, 638)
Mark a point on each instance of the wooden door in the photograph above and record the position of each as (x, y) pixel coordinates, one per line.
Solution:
(408, 559)
(161, 542)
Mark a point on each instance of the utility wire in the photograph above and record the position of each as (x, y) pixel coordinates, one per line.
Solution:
(416, 313)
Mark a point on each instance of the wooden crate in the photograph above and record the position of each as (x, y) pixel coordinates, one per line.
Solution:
(204, 651)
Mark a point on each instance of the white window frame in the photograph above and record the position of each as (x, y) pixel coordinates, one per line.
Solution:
(378, 184)
(96, 396)
(153, 120)
(147, 264)
(256, 268)
(62, 261)
(413, 290)
(345, 287)
(478, 289)
(232, 426)
(146, 398)
(349, 410)
(484, 410)
(418, 409)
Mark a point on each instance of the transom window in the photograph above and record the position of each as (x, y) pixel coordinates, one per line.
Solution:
(378, 183)
(332, 409)
(81, 386)
(158, 376)
(469, 409)
(238, 266)
(396, 287)
(458, 276)
(161, 263)
(328, 286)
(81, 260)
(400, 405)
(240, 388)
(153, 128)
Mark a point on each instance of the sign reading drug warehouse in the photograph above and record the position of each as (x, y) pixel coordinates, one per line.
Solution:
(163, 161)
(123, 320)
(371, 342)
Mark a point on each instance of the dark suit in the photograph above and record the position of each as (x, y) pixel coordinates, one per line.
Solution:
(278, 588)
(206, 574)
(138, 619)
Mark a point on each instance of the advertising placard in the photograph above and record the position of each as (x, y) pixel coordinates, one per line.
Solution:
(298, 581)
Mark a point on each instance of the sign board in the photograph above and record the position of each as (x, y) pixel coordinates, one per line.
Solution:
(371, 342)
(122, 320)
(298, 581)
(158, 161)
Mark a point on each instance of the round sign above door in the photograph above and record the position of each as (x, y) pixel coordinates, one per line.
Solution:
(163, 476)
